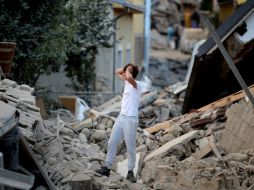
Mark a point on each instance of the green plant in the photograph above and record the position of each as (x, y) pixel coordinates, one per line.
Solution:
(50, 33)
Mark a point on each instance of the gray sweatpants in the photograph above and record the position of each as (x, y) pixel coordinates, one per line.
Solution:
(126, 127)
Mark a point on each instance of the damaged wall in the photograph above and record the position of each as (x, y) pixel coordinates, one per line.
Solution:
(239, 131)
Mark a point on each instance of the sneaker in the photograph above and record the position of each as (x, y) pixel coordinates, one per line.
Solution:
(130, 177)
(103, 171)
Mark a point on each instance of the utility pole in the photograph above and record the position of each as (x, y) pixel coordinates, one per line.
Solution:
(147, 25)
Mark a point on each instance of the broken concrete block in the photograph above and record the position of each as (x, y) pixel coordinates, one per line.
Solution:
(166, 138)
(251, 161)
(148, 172)
(151, 145)
(65, 172)
(67, 178)
(203, 150)
(175, 130)
(165, 186)
(88, 123)
(165, 174)
(26, 87)
(82, 138)
(123, 169)
(98, 135)
(236, 157)
(7, 112)
(81, 181)
(239, 132)
(67, 138)
(141, 148)
(51, 161)
(9, 82)
(87, 132)
(251, 187)
(101, 127)
(148, 99)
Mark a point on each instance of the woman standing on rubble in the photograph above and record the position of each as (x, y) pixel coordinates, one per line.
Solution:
(126, 123)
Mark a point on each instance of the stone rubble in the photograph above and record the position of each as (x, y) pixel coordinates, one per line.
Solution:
(175, 151)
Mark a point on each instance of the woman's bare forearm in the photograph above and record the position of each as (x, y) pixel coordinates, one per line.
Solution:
(120, 73)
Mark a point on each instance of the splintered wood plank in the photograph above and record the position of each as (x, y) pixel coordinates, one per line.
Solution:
(171, 145)
(175, 121)
(204, 149)
(214, 148)
(226, 100)
(157, 127)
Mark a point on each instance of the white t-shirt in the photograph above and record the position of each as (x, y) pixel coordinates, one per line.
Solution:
(131, 99)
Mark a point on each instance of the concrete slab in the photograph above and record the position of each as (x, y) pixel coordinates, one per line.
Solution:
(122, 168)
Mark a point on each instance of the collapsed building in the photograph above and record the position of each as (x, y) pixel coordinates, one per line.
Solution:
(211, 77)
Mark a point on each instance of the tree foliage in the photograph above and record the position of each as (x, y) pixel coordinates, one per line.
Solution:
(50, 33)
(94, 30)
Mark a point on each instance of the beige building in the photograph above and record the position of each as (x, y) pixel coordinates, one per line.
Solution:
(127, 44)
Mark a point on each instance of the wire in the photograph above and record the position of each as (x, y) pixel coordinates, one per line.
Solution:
(1, 73)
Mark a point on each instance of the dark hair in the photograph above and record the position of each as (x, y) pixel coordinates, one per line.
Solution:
(135, 69)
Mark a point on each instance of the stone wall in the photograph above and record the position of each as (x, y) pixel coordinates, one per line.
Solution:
(239, 132)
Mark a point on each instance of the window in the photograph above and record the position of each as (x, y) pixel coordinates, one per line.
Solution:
(128, 54)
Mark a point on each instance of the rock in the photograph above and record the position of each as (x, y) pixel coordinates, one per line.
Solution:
(81, 181)
(251, 161)
(148, 173)
(101, 127)
(251, 187)
(166, 138)
(98, 135)
(26, 88)
(165, 174)
(7, 112)
(150, 144)
(158, 41)
(236, 157)
(82, 137)
(141, 148)
(165, 186)
(51, 161)
(175, 130)
(9, 83)
(65, 172)
(87, 132)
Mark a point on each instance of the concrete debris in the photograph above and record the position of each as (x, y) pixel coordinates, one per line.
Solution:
(208, 149)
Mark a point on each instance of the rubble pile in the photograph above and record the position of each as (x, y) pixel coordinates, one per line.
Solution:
(168, 71)
(69, 152)
(186, 152)
(163, 14)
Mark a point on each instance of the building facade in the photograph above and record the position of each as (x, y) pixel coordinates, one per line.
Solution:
(127, 44)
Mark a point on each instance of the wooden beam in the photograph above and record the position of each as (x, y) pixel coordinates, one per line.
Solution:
(226, 100)
(175, 121)
(171, 145)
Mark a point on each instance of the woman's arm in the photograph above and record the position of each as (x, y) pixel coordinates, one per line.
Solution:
(120, 73)
(129, 77)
